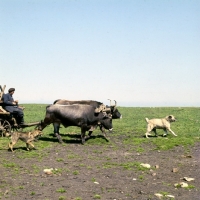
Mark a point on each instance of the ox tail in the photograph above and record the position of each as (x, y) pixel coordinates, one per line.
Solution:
(147, 120)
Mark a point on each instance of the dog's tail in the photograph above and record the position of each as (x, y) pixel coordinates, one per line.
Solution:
(147, 120)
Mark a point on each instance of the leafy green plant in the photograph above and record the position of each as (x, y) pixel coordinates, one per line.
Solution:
(93, 179)
(57, 171)
(76, 172)
(61, 198)
(164, 193)
(32, 193)
(78, 198)
(141, 177)
(190, 187)
(61, 190)
(59, 159)
(97, 196)
(72, 156)
(9, 165)
(140, 149)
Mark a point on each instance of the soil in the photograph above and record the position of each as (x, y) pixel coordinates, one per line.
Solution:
(112, 171)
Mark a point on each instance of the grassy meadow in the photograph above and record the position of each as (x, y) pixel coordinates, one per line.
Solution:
(110, 162)
(130, 129)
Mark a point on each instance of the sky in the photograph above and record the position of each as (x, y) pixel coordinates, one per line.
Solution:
(137, 52)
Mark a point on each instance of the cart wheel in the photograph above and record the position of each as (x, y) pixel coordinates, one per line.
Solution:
(5, 128)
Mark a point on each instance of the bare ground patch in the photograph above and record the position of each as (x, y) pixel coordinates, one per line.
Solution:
(109, 171)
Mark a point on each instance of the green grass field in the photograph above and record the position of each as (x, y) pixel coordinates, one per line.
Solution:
(119, 157)
(131, 127)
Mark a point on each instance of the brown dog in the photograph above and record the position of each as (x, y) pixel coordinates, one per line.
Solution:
(27, 137)
(163, 123)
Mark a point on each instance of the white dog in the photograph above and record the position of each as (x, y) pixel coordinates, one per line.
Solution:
(163, 123)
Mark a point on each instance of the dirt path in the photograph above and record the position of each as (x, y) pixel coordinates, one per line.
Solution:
(99, 172)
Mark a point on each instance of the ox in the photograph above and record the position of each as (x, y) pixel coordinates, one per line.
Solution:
(99, 107)
(83, 116)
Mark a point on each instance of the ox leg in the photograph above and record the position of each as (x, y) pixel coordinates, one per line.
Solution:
(56, 132)
(103, 131)
(91, 130)
(89, 134)
(83, 130)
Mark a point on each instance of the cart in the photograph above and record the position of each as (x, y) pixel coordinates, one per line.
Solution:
(8, 121)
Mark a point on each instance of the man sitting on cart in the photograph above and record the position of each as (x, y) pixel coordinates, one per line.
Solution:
(12, 106)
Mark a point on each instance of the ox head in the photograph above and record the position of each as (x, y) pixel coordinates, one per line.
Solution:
(114, 111)
(106, 121)
(41, 125)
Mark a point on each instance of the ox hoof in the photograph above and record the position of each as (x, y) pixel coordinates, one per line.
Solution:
(59, 138)
(83, 142)
(87, 137)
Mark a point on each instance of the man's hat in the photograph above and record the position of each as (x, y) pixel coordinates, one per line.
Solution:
(11, 90)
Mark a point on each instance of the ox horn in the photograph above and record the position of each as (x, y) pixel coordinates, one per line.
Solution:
(115, 103)
(110, 101)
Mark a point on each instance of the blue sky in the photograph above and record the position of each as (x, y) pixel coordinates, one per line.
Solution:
(138, 52)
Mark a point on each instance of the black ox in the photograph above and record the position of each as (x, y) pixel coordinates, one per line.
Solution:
(83, 116)
(98, 106)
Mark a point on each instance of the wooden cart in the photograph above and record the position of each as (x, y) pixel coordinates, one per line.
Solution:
(8, 121)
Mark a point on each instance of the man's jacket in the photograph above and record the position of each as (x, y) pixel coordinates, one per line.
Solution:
(8, 105)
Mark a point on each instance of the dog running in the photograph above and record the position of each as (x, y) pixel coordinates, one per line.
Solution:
(163, 123)
(27, 137)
